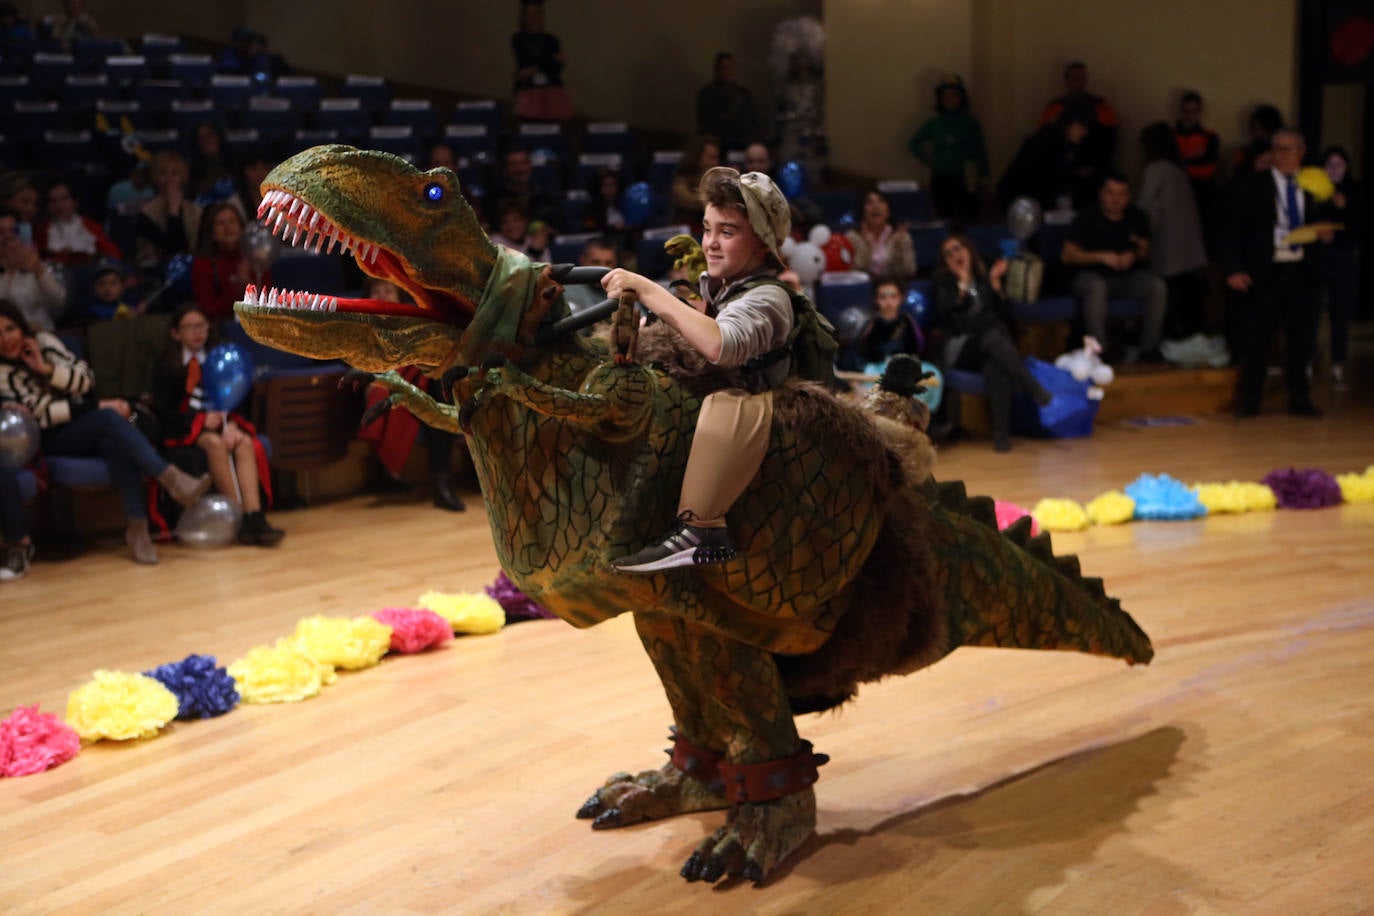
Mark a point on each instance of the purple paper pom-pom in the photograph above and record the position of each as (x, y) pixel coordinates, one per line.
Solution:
(516, 604)
(203, 689)
(1307, 488)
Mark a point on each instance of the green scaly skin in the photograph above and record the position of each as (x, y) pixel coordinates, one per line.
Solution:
(580, 459)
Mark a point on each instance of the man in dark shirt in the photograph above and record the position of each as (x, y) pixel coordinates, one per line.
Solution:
(1097, 155)
(518, 186)
(1109, 243)
(725, 109)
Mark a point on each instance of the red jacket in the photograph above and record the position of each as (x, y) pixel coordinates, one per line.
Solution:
(213, 286)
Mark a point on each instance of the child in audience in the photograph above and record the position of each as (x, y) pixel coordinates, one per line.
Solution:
(516, 231)
(220, 272)
(68, 237)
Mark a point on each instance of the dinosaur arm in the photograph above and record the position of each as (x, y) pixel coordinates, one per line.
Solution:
(425, 408)
(610, 413)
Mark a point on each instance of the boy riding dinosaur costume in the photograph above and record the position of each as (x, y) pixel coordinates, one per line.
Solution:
(853, 564)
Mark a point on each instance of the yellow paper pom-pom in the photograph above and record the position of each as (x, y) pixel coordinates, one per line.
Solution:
(1111, 508)
(1314, 180)
(343, 642)
(1235, 496)
(279, 673)
(120, 706)
(1357, 488)
(466, 612)
(1060, 515)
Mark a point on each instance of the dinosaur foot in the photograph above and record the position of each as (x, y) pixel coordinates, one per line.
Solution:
(755, 839)
(650, 795)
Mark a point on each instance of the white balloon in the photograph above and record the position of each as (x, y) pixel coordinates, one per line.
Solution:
(212, 522)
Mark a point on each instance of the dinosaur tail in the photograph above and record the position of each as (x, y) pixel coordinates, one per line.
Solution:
(941, 576)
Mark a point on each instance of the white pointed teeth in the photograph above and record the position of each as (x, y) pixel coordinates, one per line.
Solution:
(300, 225)
(290, 299)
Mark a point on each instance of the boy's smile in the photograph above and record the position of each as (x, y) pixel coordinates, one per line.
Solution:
(731, 246)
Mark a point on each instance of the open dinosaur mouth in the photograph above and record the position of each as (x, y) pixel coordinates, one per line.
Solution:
(300, 225)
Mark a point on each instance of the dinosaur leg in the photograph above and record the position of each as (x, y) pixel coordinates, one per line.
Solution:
(727, 700)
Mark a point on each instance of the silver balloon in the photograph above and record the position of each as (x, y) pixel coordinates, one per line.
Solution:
(259, 247)
(212, 522)
(850, 324)
(19, 436)
(1023, 218)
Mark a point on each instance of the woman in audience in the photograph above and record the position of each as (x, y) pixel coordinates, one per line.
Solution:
(14, 531)
(26, 281)
(169, 223)
(970, 311)
(220, 271)
(68, 237)
(210, 162)
(253, 168)
(882, 250)
(197, 437)
(41, 374)
(1177, 251)
(702, 154)
(603, 214)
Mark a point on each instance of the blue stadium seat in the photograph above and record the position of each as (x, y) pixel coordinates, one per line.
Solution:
(373, 91)
(608, 137)
(89, 52)
(417, 114)
(305, 139)
(842, 289)
(30, 120)
(241, 140)
(17, 88)
(304, 92)
(589, 165)
(1046, 310)
(575, 201)
(65, 150)
(565, 249)
(987, 239)
(909, 202)
(158, 95)
(479, 111)
(345, 115)
(470, 141)
(834, 204)
(126, 69)
(534, 137)
(81, 90)
(1051, 240)
(314, 273)
(230, 91)
(185, 115)
(271, 117)
(115, 110)
(662, 167)
(654, 262)
(398, 140)
(158, 48)
(9, 153)
(192, 70)
(926, 239)
(156, 140)
(965, 382)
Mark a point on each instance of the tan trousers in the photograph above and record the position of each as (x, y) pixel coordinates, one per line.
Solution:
(727, 450)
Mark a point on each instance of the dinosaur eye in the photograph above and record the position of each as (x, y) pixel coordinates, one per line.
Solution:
(434, 192)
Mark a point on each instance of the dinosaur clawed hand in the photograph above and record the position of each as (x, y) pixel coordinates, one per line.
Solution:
(356, 380)
(650, 795)
(755, 839)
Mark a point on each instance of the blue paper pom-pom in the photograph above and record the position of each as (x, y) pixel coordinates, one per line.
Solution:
(203, 689)
(1163, 498)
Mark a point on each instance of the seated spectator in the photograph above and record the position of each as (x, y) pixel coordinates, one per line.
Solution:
(890, 331)
(1098, 153)
(108, 299)
(882, 250)
(1199, 152)
(1110, 244)
(539, 91)
(198, 438)
(701, 154)
(253, 168)
(41, 374)
(210, 162)
(759, 158)
(441, 157)
(517, 185)
(1049, 168)
(248, 54)
(1177, 251)
(76, 22)
(26, 281)
(599, 252)
(518, 232)
(603, 212)
(725, 108)
(977, 325)
(949, 144)
(14, 529)
(169, 224)
(128, 196)
(220, 271)
(19, 195)
(68, 237)
(1342, 266)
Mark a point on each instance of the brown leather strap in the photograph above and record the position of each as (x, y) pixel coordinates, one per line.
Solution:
(772, 779)
(696, 762)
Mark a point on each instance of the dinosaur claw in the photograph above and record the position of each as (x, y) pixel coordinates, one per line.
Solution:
(376, 410)
(609, 818)
(493, 361)
(692, 867)
(713, 870)
(753, 871)
(449, 377)
(465, 414)
(356, 379)
(559, 272)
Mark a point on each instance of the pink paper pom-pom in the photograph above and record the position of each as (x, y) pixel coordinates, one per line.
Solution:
(33, 741)
(1007, 513)
(414, 631)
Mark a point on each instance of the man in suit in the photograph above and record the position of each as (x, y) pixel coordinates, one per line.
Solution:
(1280, 281)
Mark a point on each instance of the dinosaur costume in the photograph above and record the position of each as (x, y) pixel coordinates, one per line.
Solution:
(854, 564)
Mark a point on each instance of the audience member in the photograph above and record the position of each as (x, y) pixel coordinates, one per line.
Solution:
(127, 196)
(1177, 251)
(39, 372)
(107, 299)
(890, 331)
(759, 158)
(799, 110)
(253, 168)
(518, 185)
(248, 54)
(13, 29)
(198, 438)
(1098, 154)
(603, 213)
(598, 252)
(19, 195)
(169, 224)
(1342, 266)
(68, 237)
(1110, 244)
(26, 281)
(14, 528)
(950, 144)
(1281, 281)
(220, 271)
(1265, 121)
(978, 326)
(725, 108)
(1199, 152)
(441, 157)
(210, 162)
(539, 61)
(702, 154)
(882, 250)
(1049, 167)
(76, 22)
(517, 231)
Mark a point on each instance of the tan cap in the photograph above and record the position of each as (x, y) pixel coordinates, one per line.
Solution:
(769, 214)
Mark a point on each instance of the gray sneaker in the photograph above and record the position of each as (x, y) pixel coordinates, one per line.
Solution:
(685, 544)
(17, 560)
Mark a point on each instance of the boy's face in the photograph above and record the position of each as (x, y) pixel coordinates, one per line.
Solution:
(889, 301)
(192, 331)
(108, 287)
(514, 226)
(732, 247)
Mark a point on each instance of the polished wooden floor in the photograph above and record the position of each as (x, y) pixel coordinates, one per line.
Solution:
(1233, 775)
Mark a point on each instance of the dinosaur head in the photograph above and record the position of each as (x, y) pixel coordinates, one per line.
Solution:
(400, 224)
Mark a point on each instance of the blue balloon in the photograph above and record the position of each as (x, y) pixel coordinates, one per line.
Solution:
(847, 221)
(227, 376)
(1010, 248)
(792, 178)
(916, 306)
(637, 203)
(178, 272)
